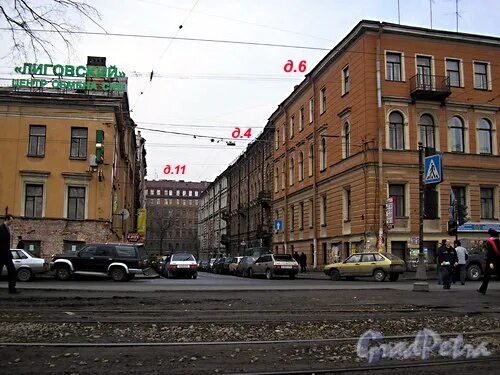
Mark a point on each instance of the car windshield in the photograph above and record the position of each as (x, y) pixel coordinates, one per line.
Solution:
(182, 257)
(391, 257)
(29, 253)
(283, 257)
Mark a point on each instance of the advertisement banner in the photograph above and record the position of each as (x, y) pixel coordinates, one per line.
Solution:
(141, 221)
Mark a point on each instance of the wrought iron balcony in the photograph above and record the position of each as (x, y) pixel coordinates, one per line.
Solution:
(264, 197)
(429, 87)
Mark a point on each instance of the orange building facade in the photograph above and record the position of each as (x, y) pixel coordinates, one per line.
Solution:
(347, 139)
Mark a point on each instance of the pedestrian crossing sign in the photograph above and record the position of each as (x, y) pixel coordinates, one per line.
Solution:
(433, 173)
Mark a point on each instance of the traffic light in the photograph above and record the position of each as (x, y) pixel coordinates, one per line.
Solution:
(452, 227)
(99, 146)
(431, 203)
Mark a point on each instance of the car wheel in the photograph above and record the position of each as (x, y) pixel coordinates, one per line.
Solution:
(63, 273)
(269, 274)
(394, 277)
(334, 275)
(474, 272)
(379, 275)
(195, 275)
(118, 274)
(24, 274)
(250, 273)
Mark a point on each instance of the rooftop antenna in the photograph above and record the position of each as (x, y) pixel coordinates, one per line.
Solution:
(430, 7)
(456, 12)
(399, 16)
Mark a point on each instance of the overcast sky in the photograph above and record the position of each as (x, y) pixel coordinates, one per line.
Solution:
(210, 88)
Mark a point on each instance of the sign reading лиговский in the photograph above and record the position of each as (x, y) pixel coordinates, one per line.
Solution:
(426, 342)
(79, 71)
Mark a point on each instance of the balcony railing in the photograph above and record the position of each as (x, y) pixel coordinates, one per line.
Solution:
(426, 86)
(264, 197)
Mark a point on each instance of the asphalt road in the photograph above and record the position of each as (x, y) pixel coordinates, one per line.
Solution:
(213, 282)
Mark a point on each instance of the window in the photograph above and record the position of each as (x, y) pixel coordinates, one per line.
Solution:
(301, 215)
(276, 138)
(33, 246)
(76, 203)
(78, 143)
(347, 204)
(36, 145)
(283, 137)
(301, 166)
(292, 218)
(196, 193)
(33, 200)
(457, 134)
(393, 67)
(345, 80)
(481, 76)
(322, 101)
(125, 251)
(427, 131)
(292, 126)
(396, 131)
(311, 110)
(190, 193)
(158, 192)
(485, 138)
(170, 192)
(453, 72)
(457, 193)
(424, 73)
(283, 176)
(292, 171)
(487, 207)
(301, 119)
(311, 159)
(356, 258)
(178, 192)
(347, 140)
(276, 179)
(322, 154)
(157, 201)
(311, 213)
(72, 246)
(398, 193)
(323, 211)
(184, 193)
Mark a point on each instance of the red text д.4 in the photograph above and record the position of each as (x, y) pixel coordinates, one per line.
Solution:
(237, 133)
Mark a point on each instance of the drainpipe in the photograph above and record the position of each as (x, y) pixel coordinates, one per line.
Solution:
(285, 210)
(380, 139)
(315, 177)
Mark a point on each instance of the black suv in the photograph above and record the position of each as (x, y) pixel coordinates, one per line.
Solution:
(120, 261)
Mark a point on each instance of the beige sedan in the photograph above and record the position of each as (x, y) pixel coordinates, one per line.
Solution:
(234, 265)
(271, 265)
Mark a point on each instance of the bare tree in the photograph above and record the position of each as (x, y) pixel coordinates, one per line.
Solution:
(31, 22)
(161, 221)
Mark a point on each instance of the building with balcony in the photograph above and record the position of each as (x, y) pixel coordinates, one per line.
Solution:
(172, 216)
(212, 219)
(346, 139)
(69, 166)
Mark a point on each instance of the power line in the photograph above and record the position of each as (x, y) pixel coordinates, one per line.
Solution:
(191, 134)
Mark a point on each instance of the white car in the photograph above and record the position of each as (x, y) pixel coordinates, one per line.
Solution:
(180, 265)
(27, 265)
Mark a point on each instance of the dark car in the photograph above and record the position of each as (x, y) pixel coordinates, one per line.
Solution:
(245, 263)
(204, 266)
(120, 261)
(476, 264)
(221, 265)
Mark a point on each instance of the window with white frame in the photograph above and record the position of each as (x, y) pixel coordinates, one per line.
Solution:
(323, 211)
(36, 145)
(396, 131)
(301, 215)
(311, 110)
(453, 72)
(322, 101)
(301, 119)
(311, 212)
(393, 71)
(276, 179)
(301, 166)
(284, 134)
(457, 134)
(487, 203)
(76, 203)
(484, 133)
(424, 72)
(33, 203)
(322, 154)
(292, 126)
(311, 159)
(276, 139)
(481, 79)
(397, 192)
(347, 204)
(292, 217)
(283, 176)
(346, 130)
(427, 131)
(345, 80)
(292, 171)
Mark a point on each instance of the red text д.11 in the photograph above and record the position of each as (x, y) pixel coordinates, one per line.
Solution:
(178, 169)
(237, 133)
(289, 67)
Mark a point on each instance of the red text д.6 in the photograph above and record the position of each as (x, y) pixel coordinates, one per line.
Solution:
(178, 169)
(289, 67)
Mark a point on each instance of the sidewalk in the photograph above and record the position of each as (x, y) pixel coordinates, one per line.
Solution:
(320, 275)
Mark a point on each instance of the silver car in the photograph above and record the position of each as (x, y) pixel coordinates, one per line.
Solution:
(27, 265)
(272, 265)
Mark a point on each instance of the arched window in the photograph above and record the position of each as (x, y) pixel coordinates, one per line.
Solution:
(427, 131)
(283, 176)
(347, 140)
(311, 159)
(322, 154)
(292, 171)
(301, 166)
(396, 131)
(457, 134)
(484, 135)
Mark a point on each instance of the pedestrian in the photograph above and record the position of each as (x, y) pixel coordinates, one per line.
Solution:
(20, 242)
(448, 260)
(438, 263)
(296, 256)
(462, 256)
(6, 255)
(492, 259)
(303, 262)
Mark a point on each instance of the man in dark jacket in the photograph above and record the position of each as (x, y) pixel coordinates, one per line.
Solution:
(492, 259)
(6, 255)
(303, 262)
(438, 263)
(448, 260)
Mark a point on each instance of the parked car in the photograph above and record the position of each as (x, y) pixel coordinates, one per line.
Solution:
(27, 265)
(376, 265)
(204, 266)
(212, 261)
(272, 265)
(181, 265)
(244, 264)
(221, 265)
(120, 261)
(475, 265)
(234, 264)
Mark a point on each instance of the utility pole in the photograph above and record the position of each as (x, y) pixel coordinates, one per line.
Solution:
(421, 285)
